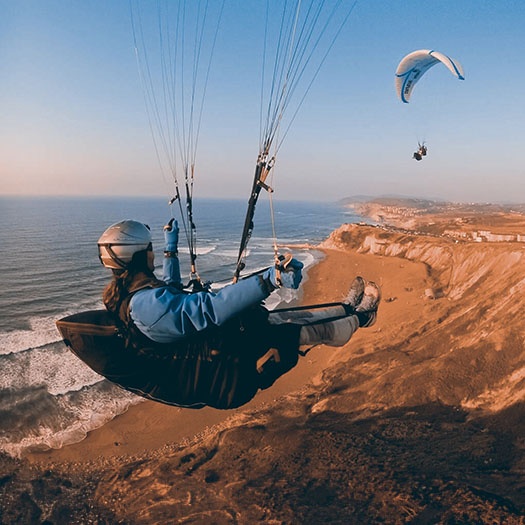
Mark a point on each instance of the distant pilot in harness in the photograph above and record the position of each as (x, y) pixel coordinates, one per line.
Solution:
(421, 152)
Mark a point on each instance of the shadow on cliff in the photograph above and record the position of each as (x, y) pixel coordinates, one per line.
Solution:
(429, 463)
(424, 464)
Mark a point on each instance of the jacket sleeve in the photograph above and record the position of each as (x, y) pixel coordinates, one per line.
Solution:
(167, 314)
(171, 264)
(171, 271)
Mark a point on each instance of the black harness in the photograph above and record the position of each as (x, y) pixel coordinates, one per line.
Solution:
(222, 366)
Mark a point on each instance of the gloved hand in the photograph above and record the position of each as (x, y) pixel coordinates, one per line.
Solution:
(289, 275)
(171, 236)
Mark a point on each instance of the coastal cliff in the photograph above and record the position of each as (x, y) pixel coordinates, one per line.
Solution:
(418, 419)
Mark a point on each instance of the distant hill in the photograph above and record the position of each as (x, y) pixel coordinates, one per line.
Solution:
(424, 205)
(435, 217)
(393, 200)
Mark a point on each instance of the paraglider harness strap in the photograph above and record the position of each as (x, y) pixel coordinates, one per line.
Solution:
(302, 353)
(271, 356)
(196, 285)
(281, 264)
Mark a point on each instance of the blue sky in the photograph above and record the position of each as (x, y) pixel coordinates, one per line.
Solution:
(73, 119)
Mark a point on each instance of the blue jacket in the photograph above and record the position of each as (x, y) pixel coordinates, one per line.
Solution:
(167, 314)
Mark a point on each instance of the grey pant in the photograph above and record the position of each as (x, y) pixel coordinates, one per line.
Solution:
(328, 325)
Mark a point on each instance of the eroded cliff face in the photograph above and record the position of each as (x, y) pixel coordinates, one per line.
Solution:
(456, 267)
(470, 346)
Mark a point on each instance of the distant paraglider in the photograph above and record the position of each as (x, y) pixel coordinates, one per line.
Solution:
(411, 68)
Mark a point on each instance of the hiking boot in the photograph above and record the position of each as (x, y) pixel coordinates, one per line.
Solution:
(371, 298)
(356, 293)
(366, 310)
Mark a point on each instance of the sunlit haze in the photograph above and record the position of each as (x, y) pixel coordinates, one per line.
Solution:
(74, 120)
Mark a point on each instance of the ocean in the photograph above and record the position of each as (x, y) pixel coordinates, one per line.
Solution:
(50, 269)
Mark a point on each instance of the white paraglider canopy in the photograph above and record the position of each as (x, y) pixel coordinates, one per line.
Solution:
(414, 65)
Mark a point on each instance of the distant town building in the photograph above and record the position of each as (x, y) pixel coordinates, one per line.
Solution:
(484, 236)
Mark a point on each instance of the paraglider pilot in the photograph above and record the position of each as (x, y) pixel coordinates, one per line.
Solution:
(421, 152)
(249, 345)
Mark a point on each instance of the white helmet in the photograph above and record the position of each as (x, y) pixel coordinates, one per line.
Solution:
(121, 241)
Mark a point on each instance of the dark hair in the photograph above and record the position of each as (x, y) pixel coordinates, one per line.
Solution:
(117, 290)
